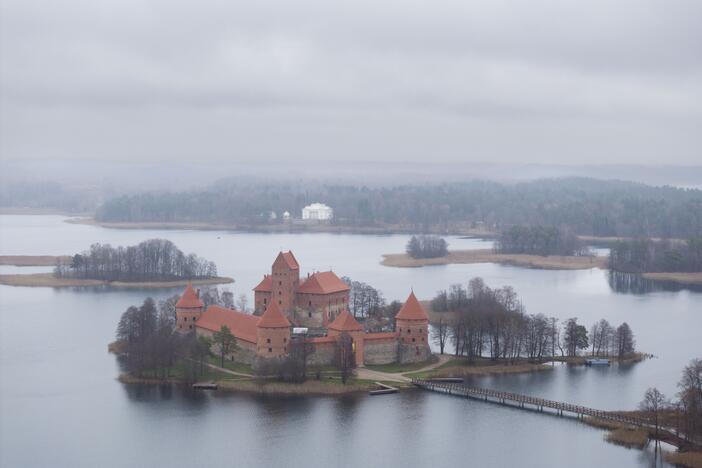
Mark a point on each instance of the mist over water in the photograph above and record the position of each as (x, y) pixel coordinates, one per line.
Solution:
(54, 366)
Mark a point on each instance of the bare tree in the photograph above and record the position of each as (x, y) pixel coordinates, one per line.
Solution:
(344, 356)
(227, 298)
(440, 333)
(653, 403)
(243, 302)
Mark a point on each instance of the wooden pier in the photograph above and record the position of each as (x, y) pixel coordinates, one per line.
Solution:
(525, 401)
(383, 390)
(205, 386)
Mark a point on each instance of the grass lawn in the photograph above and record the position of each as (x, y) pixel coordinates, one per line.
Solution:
(231, 365)
(395, 368)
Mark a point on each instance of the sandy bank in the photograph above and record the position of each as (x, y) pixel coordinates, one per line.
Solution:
(49, 280)
(681, 278)
(551, 262)
(32, 260)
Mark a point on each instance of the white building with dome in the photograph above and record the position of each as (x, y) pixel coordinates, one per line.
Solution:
(318, 211)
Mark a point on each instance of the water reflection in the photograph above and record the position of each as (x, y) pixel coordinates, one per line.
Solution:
(631, 283)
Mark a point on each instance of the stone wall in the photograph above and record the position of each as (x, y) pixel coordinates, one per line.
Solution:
(413, 353)
(323, 355)
(382, 351)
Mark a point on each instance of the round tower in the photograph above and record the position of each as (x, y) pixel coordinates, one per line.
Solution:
(272, 333)
(189, 308)
(412, 327)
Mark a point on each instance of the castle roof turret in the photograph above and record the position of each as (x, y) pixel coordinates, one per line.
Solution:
(345, 322)
(412, 310)
(273, 318)
(189, 299)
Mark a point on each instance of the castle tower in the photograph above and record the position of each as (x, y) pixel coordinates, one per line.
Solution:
(272, 333)
(189, 308)
(285, 278)
(346, 323)
(412, 326)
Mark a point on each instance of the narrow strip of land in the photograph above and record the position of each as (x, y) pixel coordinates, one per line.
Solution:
(682, 278)
(49, 280)
(550, 262)
(32, 260)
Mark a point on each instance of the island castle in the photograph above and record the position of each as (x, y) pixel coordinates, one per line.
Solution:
(320, 301)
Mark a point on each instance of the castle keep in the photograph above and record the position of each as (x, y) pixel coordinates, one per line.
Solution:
(320, 302)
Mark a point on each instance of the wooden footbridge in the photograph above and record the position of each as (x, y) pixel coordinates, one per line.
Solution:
(524, 401)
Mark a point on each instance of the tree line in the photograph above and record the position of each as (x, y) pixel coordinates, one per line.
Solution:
(685, 413)
(427, 246)
(484, 322)
(646, 255)
(154, 259)
(584, 206)
(539, 240)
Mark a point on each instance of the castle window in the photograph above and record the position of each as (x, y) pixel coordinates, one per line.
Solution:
(285, 340)
(191, 327)
(280, 283)
(264, 301)
(270, 350)
(409, 330)
(309, 314)
(280, 302)
(185, 319)
(310, 303)
(413, 340)
(268, 340)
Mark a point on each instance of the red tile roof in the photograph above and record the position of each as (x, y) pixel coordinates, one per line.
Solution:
(412, 310)
(325, 282)
(189, 299)
(242, 326)
(266, 284)
(345, 322)
(380, 336)
(289, 260)
(273, 318)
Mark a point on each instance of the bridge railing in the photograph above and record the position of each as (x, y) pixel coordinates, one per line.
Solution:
(527, 399)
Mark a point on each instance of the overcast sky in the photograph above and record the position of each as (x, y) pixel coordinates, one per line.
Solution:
(560, 81)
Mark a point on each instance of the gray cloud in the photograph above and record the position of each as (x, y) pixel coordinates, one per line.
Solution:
(540, 81)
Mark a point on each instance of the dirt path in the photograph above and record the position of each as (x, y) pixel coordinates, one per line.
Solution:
(227, 371)
(369, 374)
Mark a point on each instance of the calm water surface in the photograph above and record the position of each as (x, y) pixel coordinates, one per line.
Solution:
(60, 404)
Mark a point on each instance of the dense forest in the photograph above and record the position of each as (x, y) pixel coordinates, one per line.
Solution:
(646, 255)
(585, 206)
(151, 260)
(487, 322)
(539, 240)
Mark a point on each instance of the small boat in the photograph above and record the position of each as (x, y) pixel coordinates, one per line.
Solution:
(205, 386)
(597, 362)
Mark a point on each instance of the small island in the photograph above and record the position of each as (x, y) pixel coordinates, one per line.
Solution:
(155, 263)
(671, 261)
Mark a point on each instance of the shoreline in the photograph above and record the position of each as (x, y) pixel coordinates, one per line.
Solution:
(49, 280)
(551, 262)
(33, 260)
(293, 227)
(693, 279)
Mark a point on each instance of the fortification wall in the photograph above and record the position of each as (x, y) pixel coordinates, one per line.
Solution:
(380, 351)
(246, 352)
(413, 353)
(323, 355)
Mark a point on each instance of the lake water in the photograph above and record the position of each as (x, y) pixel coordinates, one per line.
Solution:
(60, 404)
